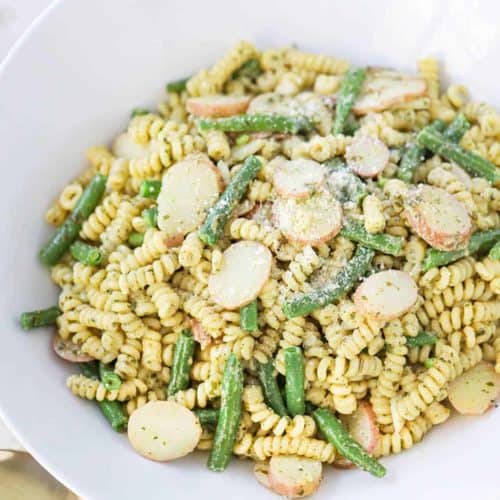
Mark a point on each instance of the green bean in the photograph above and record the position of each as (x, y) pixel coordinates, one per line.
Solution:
(150, 215)
(457, 128)
(495, 251)
(294, 386)
(258, 123)
(351, 125)
(479, 241)
(139, 112)
(342, 283)
(183, 357)
(112, 410)
(109, 378)
(349, 91)
(385, 243)
(214, 224)
(41, 317)
(249, 69)
(471, 162)
(86, 254)
(229, 415)
(272, 394)
(422, 338)
(177, 85)
(248, 317)
(135, 239)
(207, 416)
(414, 155)
(345, 185)
(150, 189)
(67, 233)
(336, 434)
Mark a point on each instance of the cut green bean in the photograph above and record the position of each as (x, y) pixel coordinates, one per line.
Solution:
(336, 434)
(183, 357)
(385, 243)
(248, 317)
(344, 184)
(112, 410)
(349, 91)
(351, 125)
(429, 362)
(86, 254)
(109, 378)
(150, 215)
(67, 233)
(249, 69)
(150, 189)
(258, 123)
(479, 241)
(135, 239)
(229, 415)
(207, 416)
(421, 339)
(457, 128)
(342, 283)
(272, 394)
(139, 112)
(414, 155)
(471, 162)
(41, 317)
(495, 251)
(177, 85)
(214, 224)
(242, 139)
(295, 384)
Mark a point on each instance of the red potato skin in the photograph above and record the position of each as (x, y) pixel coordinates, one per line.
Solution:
(175, 241)
(218, 108)
(200, 335)
(436, 239)
(292, 491)
(68, 350)
(300, 195)
(361, 173)
(360, 111)
(360, 305)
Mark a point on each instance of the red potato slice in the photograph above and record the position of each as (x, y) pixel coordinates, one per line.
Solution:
(386, 295)
(298, 178)
(163, 430)
(367, 156)
(311, 221)
(199, 334)
(244, 271)
(362, 426)
(261, 471)
(384, 88)
(189, 189)
(217, 105)
(438, 218)
(124, 146)
(475, 391)
(294, 477)
(69, 351)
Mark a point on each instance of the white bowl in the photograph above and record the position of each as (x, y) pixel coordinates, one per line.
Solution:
(70, 83)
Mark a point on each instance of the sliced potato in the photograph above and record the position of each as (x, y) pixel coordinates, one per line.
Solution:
(384, 88)
(163, 430)
(386, 295)
(294, 477)
(217, 105)
(261, 471)
(124, 146)
(311, 221)
(199, 334)
(367, 156)
(475, 391)
(438, 218)
(362, 426)
(244, 271)
(69, 351)
(298, 178)
(189, 188)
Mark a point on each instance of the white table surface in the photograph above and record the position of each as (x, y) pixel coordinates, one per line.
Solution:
(15, 17)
